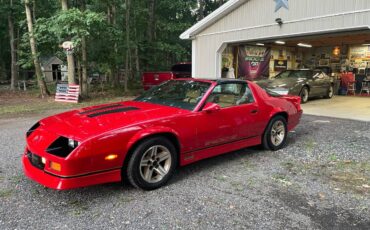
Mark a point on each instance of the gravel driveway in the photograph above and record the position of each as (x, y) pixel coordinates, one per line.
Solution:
(320, 180)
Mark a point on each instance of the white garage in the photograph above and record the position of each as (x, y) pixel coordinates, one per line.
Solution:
(284, 35)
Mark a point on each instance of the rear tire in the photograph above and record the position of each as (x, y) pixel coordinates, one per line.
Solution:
(275, 135)
(304, 94)
(152, 163)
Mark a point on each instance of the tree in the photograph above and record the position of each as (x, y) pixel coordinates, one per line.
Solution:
(64, 4)
(40, 80)
(128, 50)
(70, 57)
(83, 84)
(13, 50)
(78, 26)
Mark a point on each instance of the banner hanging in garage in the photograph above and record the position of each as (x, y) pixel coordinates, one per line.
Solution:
(253, 62)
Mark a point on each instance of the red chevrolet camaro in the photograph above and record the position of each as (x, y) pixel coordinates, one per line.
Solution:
(143, 141)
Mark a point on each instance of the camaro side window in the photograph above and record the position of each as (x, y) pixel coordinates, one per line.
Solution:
(231, 94)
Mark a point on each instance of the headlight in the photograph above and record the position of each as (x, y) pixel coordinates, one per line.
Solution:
(280, 91)
(72, 143)
(62, 146)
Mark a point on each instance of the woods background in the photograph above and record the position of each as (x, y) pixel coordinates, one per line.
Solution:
(115, 38)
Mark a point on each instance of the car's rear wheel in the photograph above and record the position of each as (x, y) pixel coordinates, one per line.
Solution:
(330, 92)
(304, 95)
(275, 135)
(152, 163)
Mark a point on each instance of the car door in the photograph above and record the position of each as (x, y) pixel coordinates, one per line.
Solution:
(318, 86)
(233, 122)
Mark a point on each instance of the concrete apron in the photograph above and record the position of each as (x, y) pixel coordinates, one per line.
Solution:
(346, 107)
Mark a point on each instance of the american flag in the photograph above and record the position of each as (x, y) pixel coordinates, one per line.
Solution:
(67, 93)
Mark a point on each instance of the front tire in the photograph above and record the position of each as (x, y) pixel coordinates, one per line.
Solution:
(304, 95)
(330, 92)
(275, 135)
(152, 163)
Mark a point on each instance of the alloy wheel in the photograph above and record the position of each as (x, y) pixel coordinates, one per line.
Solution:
(277, 133)
(155, 163)
(304, 95)
(331, 92)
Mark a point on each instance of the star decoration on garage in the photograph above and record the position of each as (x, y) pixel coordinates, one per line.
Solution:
(280, 4)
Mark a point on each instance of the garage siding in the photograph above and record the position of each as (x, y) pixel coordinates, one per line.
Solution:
(247, 23)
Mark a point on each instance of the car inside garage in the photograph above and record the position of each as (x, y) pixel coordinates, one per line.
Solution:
(344, 57)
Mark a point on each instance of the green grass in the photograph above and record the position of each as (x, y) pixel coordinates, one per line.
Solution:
(77, 207)
(15, 103)
(345, 175)
(282, 179)
(41, 105)
(6, 193)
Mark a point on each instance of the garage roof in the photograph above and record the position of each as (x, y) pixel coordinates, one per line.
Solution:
(212, 18)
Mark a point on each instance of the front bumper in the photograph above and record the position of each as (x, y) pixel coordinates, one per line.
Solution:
(59, 183)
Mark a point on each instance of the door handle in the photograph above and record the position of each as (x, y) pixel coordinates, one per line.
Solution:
(254, 111)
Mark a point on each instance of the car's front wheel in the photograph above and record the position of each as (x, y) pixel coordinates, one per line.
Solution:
(330, 92)
(304, 95)
(274, 137)
(152, 163)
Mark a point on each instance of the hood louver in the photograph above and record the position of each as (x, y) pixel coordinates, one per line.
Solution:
(33, 128)
(101, 108)
(119, 110)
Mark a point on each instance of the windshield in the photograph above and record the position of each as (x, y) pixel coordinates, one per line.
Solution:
(180, 94)
(294, 74)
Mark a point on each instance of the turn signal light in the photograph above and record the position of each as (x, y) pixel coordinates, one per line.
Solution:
(111, 157)
(55, 166)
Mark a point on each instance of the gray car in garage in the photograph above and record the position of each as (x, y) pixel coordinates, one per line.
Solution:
(304, 83)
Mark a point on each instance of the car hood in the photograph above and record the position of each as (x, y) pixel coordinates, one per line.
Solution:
(87, 122)
(280, 83)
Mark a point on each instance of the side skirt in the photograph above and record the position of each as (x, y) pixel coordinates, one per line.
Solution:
(191, 157)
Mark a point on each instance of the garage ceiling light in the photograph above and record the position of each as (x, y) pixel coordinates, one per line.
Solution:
(280, 42)
(304, 45)
(260, 44)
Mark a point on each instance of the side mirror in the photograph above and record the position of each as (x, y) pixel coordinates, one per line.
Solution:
(211, 107)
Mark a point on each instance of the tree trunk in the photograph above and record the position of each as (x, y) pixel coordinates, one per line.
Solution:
(115, 72)
(13, 51)
(137, 59)
(127, 66)
(79, 75)
(43, 89)
(83, 82)
(70, 57)
(64, 4)
(71, 68)
(151, 21)
(34, 11)
(109, 15)
(201, 9)
(84, 68)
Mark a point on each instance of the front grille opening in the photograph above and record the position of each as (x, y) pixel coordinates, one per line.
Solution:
(35, 160)
(60, 147)
(33, 128)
